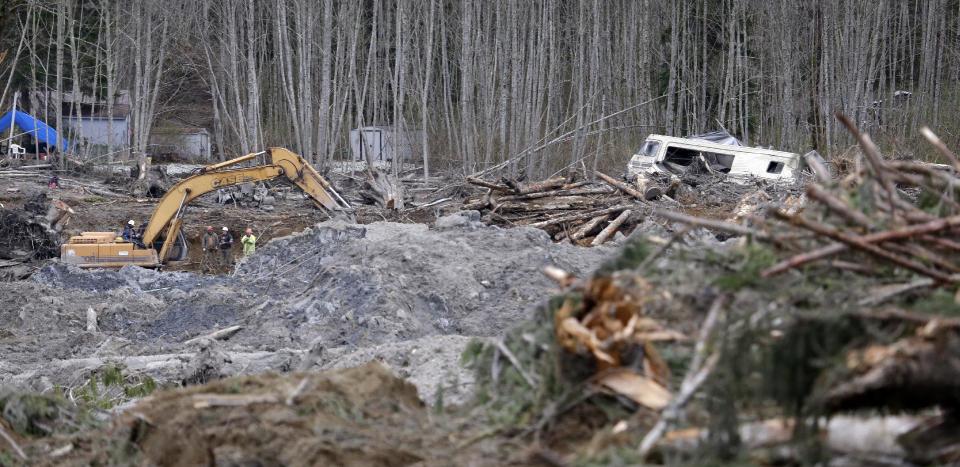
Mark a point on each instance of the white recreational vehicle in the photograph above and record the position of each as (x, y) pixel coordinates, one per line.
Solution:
(672, 155)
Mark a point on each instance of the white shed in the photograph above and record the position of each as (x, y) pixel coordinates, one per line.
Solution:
(384, 143)
(100, 129)
(187, 143)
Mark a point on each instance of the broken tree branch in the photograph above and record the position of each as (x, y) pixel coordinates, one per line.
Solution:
(858, 243)
(611, 228)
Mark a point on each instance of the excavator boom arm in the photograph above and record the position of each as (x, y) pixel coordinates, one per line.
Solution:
(214, 177)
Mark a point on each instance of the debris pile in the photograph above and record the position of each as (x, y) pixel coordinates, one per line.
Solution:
(582, 212)
(867, 222)
(590, 213)
(866, 277)
(31, 234)
(357, 416)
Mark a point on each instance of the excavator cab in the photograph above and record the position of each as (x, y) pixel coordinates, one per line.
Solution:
(163, 238)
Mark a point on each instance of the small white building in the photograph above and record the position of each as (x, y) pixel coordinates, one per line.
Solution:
(95, 125)
(384, 143)
(184, 143)
(100, 130)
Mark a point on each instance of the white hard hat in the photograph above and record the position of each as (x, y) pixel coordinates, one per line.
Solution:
(131, 222)
(225, 229)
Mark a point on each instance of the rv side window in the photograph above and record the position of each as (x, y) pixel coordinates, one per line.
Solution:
(718, 162)
(649, 148)
(774, 167)
(680, 156)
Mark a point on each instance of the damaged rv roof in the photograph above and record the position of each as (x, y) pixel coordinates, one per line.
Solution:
(678, 156)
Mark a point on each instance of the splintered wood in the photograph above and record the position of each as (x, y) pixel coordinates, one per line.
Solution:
(581, 212)
(603, 319)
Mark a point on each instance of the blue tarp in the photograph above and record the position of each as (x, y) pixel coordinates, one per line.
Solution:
(42, 132)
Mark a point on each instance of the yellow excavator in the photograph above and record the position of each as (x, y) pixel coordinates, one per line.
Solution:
(163, 240)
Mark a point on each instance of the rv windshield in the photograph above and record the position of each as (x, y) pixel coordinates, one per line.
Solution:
(649, 148)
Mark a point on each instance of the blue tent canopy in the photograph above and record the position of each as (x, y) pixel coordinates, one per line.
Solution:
(28, 124)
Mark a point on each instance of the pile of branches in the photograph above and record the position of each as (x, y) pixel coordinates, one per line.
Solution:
(898, 213)
(894, 223)
(582, 212)
(33, 233)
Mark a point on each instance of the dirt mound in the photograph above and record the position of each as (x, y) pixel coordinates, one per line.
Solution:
(364, 285)
(359, 416)
(340, 287)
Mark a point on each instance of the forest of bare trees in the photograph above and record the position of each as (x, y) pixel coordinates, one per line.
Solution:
(551, 81)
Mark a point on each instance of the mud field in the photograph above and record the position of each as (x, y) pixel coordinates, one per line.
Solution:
(305, 300)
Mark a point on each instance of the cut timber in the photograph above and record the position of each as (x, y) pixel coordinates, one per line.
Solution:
(649, 189)
(486, 184)
(588, 227)
(544, 185)
(581, 216)
(621, 186)
(387, 190)
(611, 228)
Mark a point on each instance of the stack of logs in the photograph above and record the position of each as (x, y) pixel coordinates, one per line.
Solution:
(582, 212)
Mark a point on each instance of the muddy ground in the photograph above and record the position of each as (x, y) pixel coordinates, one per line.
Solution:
(334, 293)
(282, 339)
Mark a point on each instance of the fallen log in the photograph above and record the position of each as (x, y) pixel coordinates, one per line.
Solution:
(486, 184)
(914, 373)
(649, 189)
(534, 187)
(610, 229)
(588, 227)
(557, 193)
(621, 186)
(543, 204)
(221, 334)
(580, 216)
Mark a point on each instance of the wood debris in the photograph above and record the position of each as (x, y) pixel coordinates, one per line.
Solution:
(582, 212)
(900, 213)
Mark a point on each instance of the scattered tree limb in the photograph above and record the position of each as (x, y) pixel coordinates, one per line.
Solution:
(611, 228)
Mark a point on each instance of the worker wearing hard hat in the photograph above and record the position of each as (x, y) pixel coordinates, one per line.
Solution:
(128, 232)
(249, 241)
(226, 244)
(209, 242)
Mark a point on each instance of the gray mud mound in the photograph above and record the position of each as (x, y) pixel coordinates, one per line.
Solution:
(352, 290)
(382, 282)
